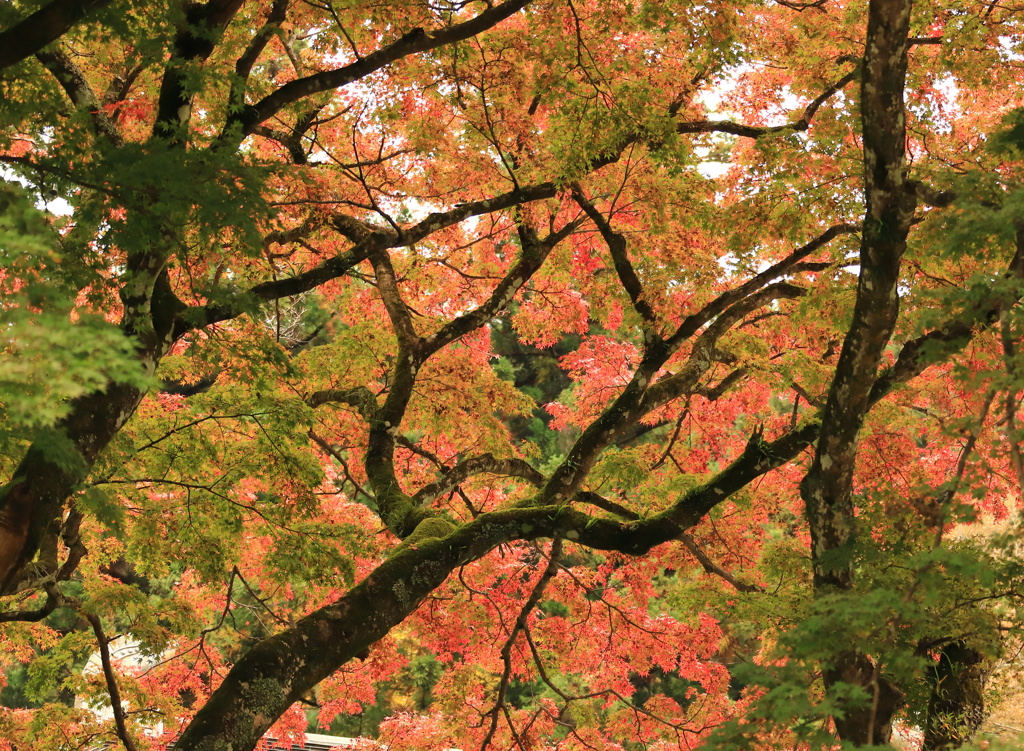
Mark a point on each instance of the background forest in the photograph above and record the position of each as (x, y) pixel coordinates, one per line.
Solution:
(522, 374)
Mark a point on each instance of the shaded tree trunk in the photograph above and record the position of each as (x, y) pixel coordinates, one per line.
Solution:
(956, 708)
(864, 724)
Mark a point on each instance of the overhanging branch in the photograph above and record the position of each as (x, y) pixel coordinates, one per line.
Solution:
(411, 43)
(46, 25)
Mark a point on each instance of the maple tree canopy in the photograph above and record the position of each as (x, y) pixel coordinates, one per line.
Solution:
(490, 374)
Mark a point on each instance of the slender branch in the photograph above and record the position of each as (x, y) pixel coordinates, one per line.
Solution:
(1009, 359)
(713, 568)
(520, 625)
(953, 334)
(704, 352)
(605, 504)
(477, 465)
(715, 393)
(112, 689)
(262, 37)
(366, 239)
(326, 446)
(414, 42)
(694, 322)
(534, 253)
(620, 259)
(759, 131)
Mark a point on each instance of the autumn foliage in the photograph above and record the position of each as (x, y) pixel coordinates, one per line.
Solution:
(520, 374)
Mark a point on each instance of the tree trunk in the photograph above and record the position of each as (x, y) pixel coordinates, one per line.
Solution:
(957, 704)
(869, 724)
(827, 489)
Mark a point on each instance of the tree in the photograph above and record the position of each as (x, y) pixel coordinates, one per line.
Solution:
(274, 380)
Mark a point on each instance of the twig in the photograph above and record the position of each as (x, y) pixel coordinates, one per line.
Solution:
(520, 625)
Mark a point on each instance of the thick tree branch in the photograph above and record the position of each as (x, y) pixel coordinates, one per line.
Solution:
(72, 80)
(442, 219)
(243, 302)
(54, 599)
(194, 42)
(827, 489)
(359, 397)
(889, 212)
(397, 310)
(46, 25)
(396, 587)
(32, 503)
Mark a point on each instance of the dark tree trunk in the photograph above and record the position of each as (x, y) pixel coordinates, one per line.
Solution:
(827, 489)
(864, 724)
(957, 704)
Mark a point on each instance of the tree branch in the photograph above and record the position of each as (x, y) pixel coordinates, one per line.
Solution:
(72, 80)
(414, 42)
(620, 259)
(713, 568)
(827, 489)
(534, 253)
(46, 25)
(759, 131)
(477, 465)
(704, 353)
(520, 625)
(195, 41)
(111, 679)
(694, 322)
(262, 37)
(397, 310)
(359, 397)
(366, 238)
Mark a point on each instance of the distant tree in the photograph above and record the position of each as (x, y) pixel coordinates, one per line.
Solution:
(523, 374)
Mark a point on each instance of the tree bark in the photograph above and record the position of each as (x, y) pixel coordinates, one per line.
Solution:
(827, 489)
(32, 503)
(46, 25)
(956, 707)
